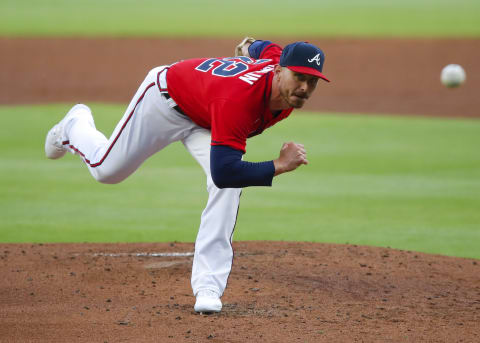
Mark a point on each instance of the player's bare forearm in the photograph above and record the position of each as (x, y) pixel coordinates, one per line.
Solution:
(292, 156)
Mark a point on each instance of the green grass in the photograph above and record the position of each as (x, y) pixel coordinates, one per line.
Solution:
(360, 18)
(409, 183)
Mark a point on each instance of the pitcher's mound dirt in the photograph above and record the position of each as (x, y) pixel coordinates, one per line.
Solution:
(277, 292)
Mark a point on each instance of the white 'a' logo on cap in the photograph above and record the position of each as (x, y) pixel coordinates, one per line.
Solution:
(316, 58)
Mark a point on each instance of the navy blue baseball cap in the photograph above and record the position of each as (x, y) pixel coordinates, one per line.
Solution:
(305, 58)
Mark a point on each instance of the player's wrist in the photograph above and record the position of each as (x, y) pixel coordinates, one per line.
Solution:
(279, 167)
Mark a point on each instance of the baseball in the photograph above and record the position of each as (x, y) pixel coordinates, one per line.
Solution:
(453, 75)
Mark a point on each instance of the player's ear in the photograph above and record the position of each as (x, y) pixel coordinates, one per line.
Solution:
(277, 69)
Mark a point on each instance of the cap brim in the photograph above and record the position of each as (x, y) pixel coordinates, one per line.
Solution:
(309, 71)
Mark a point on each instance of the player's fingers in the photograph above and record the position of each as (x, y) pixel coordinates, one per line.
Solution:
(301, 148)
(302, 159)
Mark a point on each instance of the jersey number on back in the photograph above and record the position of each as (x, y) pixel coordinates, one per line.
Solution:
(227, 67)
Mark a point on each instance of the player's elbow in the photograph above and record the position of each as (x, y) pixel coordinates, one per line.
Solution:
(220, 178)
(224, 175)
(223, 166)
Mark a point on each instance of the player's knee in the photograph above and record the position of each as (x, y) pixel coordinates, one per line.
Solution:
(109, 179)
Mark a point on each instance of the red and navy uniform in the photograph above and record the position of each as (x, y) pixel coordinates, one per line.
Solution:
(230, 96)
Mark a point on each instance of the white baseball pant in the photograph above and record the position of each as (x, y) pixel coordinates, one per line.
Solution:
(149, 124)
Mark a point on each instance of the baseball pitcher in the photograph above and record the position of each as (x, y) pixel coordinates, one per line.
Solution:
(211, 105)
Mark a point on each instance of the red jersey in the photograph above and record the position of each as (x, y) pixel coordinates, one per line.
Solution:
(229, 96)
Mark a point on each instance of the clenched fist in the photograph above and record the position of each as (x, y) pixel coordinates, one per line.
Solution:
(292, 155)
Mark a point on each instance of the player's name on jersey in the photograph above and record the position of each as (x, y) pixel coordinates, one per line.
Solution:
(254, 76)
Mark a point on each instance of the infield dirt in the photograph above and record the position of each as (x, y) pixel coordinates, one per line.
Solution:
(368, 76)
(277, 292)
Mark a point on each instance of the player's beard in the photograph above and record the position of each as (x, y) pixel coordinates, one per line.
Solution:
(295, 99)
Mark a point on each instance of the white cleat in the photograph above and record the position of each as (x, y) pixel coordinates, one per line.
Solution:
(54, 147)
(208, 302)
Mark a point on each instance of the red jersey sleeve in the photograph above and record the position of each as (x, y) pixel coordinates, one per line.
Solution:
(272, 51)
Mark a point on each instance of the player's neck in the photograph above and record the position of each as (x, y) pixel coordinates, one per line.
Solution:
(277, 102)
